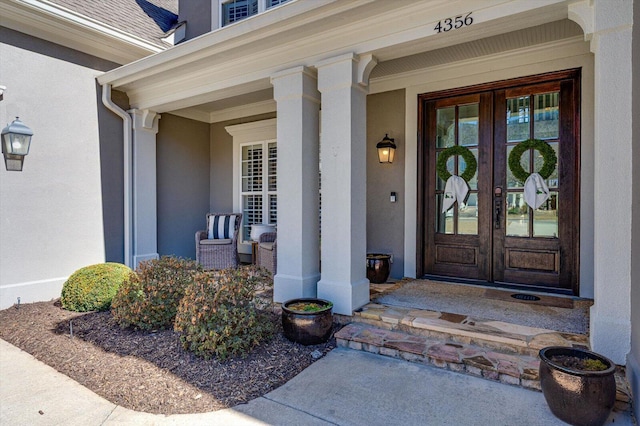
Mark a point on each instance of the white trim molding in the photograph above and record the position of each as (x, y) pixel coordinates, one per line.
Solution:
(254, 132)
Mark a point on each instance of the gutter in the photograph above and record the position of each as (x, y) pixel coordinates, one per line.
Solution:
(128, 176)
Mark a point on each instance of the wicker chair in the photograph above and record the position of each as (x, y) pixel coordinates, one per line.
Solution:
(218, 252)
(268, 252)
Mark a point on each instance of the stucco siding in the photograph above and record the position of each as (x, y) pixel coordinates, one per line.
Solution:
(385, 220)
(183, 183)
(112, 176)
(52, 212)
(221, 176)
(221, 194)
(197, 14)
(633, 362)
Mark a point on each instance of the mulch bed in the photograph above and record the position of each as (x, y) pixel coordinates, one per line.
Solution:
(150, 371)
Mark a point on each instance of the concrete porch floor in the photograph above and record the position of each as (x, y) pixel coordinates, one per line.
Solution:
(499, 351)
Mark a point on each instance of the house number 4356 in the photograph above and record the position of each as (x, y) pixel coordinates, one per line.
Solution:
(454, 23)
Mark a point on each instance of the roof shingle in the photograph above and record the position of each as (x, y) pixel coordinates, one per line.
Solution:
(147, 19)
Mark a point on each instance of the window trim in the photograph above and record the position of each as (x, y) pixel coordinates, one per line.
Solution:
(264, 132)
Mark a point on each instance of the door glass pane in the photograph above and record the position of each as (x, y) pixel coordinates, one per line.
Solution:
(512, 182)
(468, 125)
(518, 119)
(468, 216)
(538, 163)
(445, 134)
(546, 116)
(552, 181)
(451, 167)
(444, 221)
(462, 166)
(517, 215)
(545, 218)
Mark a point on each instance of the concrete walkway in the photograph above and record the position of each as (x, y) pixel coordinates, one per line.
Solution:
(344, 388)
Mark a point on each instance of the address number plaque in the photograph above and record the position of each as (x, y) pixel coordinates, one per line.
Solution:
(454, 23)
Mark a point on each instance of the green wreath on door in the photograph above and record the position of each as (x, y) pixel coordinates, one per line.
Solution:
(548, 155)
(467, 156)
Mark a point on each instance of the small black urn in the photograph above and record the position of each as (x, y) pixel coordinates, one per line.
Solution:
(378, 267)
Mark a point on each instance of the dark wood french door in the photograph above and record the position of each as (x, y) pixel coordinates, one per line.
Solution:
(494, 236)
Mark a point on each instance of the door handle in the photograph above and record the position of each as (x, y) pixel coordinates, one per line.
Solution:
(497, 206)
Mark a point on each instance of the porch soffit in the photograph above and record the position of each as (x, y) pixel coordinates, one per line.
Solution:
(546, 33)
(206, 71)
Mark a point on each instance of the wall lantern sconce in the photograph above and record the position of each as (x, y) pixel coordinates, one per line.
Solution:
(16, 139)
(386, 149)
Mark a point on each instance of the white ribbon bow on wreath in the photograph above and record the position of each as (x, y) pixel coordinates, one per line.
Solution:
(456, 189)
(536, 191)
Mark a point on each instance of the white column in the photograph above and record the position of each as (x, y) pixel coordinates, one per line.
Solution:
(298, 103)
(609, 29)
(342, 83)
(145, 220)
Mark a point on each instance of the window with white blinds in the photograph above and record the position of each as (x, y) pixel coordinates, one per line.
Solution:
(237, 10)
(259, 199)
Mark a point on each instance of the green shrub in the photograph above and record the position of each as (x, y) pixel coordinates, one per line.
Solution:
(92, 288)
(149, 298)
(220, 315)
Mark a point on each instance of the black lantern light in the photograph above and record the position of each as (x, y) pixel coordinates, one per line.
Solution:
(386, 149)
(16, 139)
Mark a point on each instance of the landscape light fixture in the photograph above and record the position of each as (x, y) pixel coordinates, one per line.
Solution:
(16, 139)
(386, 149)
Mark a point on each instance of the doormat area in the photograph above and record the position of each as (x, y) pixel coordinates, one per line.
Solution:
(473, 302)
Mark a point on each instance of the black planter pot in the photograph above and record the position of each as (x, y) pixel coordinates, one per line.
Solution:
(580, 398)
(307, 328)
(378, 267)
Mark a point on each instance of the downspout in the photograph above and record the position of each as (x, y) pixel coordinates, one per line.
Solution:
(128, 177)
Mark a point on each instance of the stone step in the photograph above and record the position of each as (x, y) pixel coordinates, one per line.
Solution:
(461, 329)
(520, 370)
(487, 350)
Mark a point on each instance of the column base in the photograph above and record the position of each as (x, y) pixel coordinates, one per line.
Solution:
(610, 337)
(286, 287)
(346, 297)
(142, 257)
(633, 377)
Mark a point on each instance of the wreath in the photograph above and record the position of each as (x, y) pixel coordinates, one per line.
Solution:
(467, 156)
(548, 155)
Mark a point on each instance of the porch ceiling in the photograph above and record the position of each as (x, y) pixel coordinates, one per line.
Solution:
(230, 69)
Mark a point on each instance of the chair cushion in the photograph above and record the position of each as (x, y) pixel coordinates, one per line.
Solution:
(266, 246)
(216, 242)
(221, 226)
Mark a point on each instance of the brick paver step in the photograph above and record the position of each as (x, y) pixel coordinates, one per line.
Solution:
(521, 370)
(512, 369)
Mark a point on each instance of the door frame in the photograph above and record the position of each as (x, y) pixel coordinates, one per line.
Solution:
(569, 261)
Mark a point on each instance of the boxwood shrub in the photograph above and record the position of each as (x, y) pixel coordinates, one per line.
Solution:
(148, 300)
(220, 315)
(93, 287)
